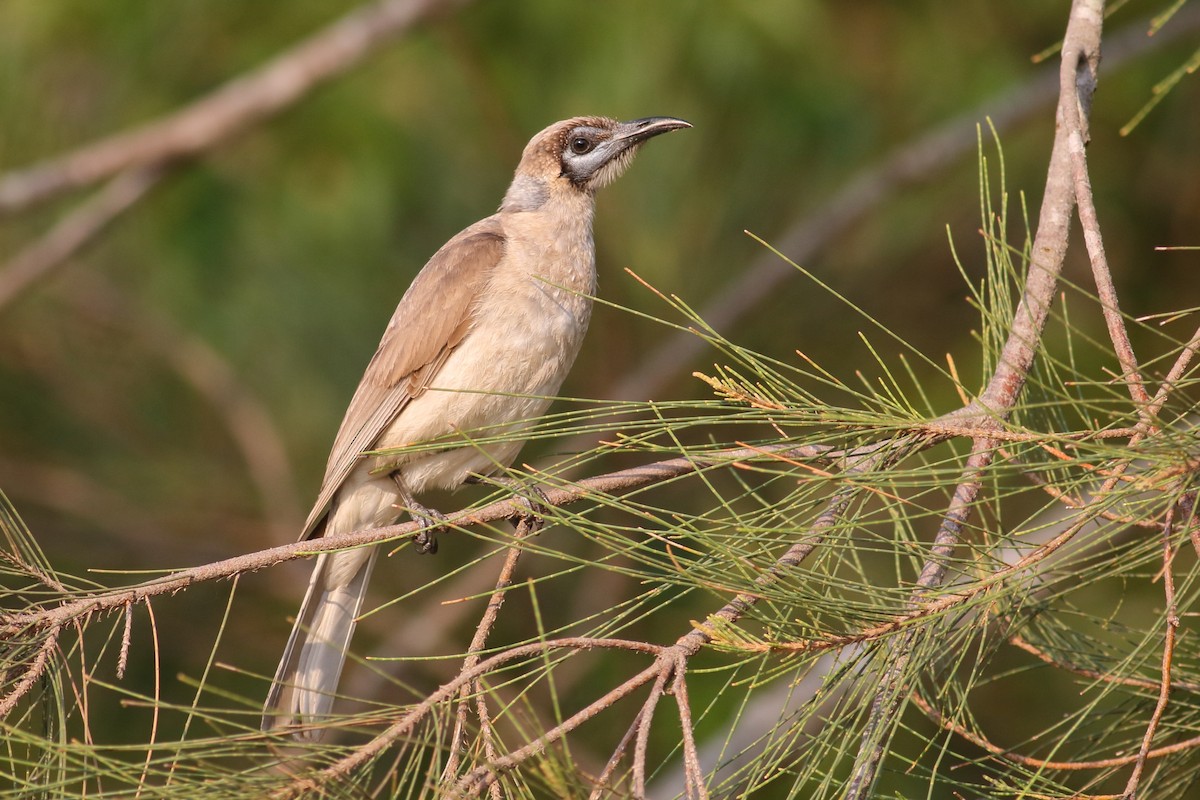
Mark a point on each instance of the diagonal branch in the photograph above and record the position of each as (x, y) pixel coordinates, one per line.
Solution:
(230, 109)
(139, 159)
(46, 621)
(982, 742)
(480, 777)
(75, 231)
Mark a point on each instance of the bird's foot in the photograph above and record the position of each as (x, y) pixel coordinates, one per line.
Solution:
(434, 520)
(426, 540)
(532, 519)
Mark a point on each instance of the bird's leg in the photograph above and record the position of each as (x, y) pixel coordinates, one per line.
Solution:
(426, 540)
(528, 493)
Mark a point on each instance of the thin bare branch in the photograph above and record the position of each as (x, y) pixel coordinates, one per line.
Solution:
(1075, 109)
(483, 776)
(692, 771)
(982, 742)
(601, 784)
(641, 744)
(1091, 674)
(126, 642)
(33, 672)
(478, 642)
(622, 480)
(1171, 622)
(1176, 372)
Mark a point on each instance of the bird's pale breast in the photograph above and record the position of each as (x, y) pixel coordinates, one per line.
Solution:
(527, 333)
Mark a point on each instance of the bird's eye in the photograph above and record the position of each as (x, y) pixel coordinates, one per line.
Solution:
(581, 145)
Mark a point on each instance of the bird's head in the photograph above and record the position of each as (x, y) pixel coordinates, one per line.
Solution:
(581, 154)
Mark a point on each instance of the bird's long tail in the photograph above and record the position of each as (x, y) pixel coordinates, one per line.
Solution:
(307, 677)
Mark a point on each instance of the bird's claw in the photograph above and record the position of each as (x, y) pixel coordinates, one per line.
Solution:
(426, 540)
(434, 521)
(528, 494)
(536, 507)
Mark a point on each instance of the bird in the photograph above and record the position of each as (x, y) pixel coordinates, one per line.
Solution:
(483, 337)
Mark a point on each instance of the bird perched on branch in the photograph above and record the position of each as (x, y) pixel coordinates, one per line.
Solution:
(483, 337)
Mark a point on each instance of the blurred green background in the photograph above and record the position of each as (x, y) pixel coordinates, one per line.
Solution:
(244, 297)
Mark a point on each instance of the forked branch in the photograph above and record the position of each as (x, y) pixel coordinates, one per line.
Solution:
(1077, 83)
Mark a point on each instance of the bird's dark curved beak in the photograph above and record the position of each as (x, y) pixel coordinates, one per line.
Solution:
(639, 130)
(612, 156)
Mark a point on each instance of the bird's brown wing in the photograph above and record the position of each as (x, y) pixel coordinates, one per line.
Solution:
(431, 320)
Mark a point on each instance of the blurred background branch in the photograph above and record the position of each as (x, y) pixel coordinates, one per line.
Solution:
(166, 384)
(232, 108)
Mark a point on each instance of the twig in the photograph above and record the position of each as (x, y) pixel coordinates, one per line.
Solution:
(645, 719)
(692, 771)
(486, 623)
(228, 110)
(33, 671)
(16, 623)
(478, 778)
(126, 641)
(984, 743)
(673, 666)
(490, 753)
(1176, 372)
(1075, 108)
(1172, 625)
(1103, 677)
(618, 753)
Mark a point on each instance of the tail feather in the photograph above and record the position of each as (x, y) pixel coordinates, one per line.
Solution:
(306, 680)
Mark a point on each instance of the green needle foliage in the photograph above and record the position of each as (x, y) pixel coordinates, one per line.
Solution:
(819, 567)
(1053, 599)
